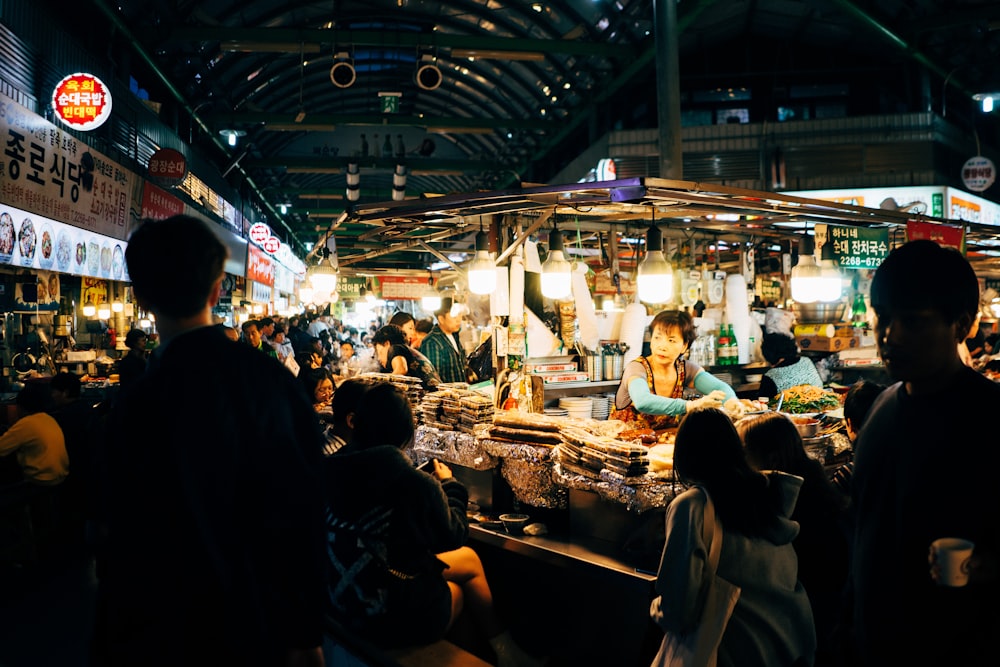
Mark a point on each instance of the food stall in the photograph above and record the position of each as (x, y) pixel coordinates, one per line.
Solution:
(595, 493)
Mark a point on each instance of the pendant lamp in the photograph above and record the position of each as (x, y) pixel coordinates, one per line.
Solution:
(482, 272)
(556, 271)
(831, 283)
(807, 284)
(655, 280)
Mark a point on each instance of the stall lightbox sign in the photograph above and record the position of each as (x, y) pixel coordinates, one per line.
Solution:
(403, 287)
(854, 247)
(262, 235)
(81, 101)
(978, 173)
(950, 236)
(168, 167)
(349, 287)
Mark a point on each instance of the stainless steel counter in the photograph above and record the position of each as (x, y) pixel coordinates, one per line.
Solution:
(564, 551)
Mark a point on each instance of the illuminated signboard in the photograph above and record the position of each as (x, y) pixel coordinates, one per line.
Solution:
(81, 101)
(168, 167)
(855, 247)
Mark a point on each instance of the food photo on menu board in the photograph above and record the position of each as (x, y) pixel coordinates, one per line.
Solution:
(35, 242)
(42, 293)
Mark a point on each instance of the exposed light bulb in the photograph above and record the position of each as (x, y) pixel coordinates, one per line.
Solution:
(482, 272)
(806, 279)
(655, 279)
(556, 271)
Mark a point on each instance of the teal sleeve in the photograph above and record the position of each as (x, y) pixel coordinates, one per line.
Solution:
(706, 383)
(651, 404)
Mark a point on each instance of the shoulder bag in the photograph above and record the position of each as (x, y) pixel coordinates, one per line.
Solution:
(700, 647)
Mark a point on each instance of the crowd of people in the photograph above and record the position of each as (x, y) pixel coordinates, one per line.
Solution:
(293, 507)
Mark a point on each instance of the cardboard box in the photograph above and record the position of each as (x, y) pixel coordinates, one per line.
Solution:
(825, 343)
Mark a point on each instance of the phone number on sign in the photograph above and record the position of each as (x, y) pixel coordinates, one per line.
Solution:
(861, 262)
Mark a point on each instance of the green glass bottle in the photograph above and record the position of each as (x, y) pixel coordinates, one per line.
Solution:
(859, 311)
(722, 347)
(734, 347)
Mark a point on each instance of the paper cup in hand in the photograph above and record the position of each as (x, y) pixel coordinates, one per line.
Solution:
(950, 560)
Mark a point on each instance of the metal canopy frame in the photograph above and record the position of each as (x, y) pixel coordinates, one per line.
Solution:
(683, 210)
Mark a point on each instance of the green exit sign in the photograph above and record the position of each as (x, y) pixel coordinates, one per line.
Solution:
(389, 102)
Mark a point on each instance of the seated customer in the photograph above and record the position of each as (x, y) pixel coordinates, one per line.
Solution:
(788, 368)
(396, 356)
(400, 573)
(340, 420)
(36, 440)
(857, 402)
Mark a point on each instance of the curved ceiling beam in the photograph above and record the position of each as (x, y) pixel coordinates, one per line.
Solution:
(192, 113)
(288, 40)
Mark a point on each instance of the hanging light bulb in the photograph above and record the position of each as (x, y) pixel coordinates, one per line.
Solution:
(117, 306)
(104, 311)
(482, 271)
(556, 271)
(430, 301)
(89, 309)
(831, 284)
(655, 280)
(806, 281)
(323, 279)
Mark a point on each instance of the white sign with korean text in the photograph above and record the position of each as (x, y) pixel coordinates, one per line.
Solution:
(47, 171)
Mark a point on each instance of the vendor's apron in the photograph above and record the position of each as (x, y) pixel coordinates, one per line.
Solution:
(631, 416)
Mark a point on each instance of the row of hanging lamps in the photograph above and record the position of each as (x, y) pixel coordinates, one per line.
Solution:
(556, 271)
(655, 277)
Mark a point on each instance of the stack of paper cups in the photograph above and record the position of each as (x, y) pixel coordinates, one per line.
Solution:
(586, 315)
(633, 328)
(738, 313)
(516, 290)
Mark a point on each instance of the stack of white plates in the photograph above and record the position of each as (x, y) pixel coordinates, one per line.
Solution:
(579, 407)
(601, 407)
(556, 412)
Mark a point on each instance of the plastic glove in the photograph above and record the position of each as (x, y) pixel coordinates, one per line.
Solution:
(711, 400)
(734, 408)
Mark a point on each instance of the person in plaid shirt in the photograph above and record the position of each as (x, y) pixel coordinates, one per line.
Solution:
(442, 347)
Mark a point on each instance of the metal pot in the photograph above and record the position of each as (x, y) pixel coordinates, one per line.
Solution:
(819, 312)
(61, 325)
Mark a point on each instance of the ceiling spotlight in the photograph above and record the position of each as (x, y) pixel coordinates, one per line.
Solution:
(342, 74)
(428, 75)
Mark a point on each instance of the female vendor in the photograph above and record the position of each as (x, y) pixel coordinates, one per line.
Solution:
(652, 388)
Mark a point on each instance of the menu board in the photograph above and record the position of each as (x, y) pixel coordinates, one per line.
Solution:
(31, 241)
(854, 247)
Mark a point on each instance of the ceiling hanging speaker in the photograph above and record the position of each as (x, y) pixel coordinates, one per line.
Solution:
(429, 76)
(342, 73)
